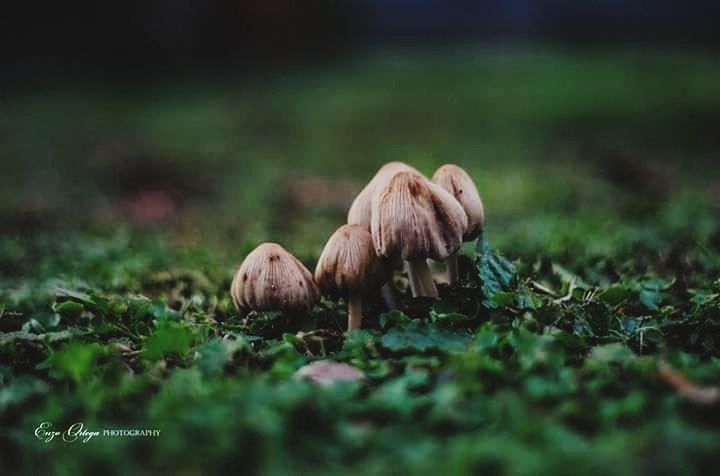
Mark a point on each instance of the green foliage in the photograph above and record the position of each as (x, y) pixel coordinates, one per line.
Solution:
(75, 361)
(552, 360)
(525, 367)
(171, 338)
(416, 338)
(495, 273)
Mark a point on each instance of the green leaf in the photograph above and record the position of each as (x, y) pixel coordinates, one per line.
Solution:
(503, 299)
(212, 356)
(487, 337)
(171, 338)
(652, 293)
(651, 298)
(79, 296)
(395, 317)
(496, 273)
(448, 317)
(19, 336)
(68, 308)
(75, 361)
(615, 295)
(420, 338)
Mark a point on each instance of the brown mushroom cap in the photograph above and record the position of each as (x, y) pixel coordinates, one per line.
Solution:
(461, 186)
(349, 264)
(360, 210)
(271, 279)
(416, 219)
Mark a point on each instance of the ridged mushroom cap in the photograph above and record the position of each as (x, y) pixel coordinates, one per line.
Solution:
(415, 219)
(348, 263)
(455, 180)
(271, 279)
(360, 209)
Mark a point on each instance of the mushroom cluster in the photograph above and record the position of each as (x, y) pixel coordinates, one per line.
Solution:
(399, 217)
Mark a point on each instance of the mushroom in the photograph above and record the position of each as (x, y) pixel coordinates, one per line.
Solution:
(360, 210)
(461, 186)
(271, 279)
(349, 267)
(327, 372)
(416, 219)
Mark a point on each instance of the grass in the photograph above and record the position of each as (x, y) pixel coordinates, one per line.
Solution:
(585, 338)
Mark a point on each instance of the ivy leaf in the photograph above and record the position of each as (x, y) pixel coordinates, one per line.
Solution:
(420, 338)
(395, 317)
(79, 296)
(19, 336)
(75, 361)
(652, 293)
(448, 317)
(171, 338)
(496, 273)
(68, 308)
(615, 295)
(212, 356)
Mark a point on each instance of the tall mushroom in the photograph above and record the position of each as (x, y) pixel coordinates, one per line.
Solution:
(349, 267)
(416, 219)
(271, 279)
(461, 186)
(360, 210)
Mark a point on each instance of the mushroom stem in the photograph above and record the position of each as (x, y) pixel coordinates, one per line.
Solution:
(389, 296)
(421, 280)
(415, 285)
(354, 311)
(453, 271)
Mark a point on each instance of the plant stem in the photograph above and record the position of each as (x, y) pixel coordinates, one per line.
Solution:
(453, 271)
(354, 311)
(421, 280)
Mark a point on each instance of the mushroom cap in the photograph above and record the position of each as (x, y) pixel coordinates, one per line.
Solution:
(416, 219)
(360, 210)
(327, 372)
(271, 279)
(455, 180)
(348, 263)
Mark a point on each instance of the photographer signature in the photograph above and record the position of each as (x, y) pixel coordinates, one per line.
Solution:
(75, 432)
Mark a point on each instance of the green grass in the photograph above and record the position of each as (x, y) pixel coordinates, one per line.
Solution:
(553, 365)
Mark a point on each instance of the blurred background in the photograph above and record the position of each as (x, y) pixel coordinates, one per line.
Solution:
(230, 122)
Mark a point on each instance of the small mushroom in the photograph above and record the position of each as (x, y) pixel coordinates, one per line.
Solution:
(349, 267)
(416, 219)
(360, 210)
(461, 186)
(327, 372)
(271, 279)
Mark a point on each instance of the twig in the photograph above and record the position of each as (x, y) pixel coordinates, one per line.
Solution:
(695, 393)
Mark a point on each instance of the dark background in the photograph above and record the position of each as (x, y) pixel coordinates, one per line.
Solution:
(132, 39)
(261, 119)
